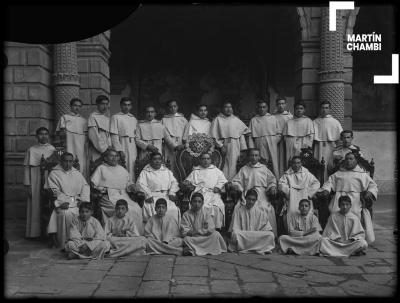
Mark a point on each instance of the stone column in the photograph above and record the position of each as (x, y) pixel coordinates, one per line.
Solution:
(331, 74)
(65, 77)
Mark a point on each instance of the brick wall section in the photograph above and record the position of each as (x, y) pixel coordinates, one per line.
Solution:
(93, 69)
(27, 106)
(308, 62)
(348, 87)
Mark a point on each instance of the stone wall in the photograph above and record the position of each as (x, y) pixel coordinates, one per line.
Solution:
(308, 62)
(94, 71)
(380, 145)
(27, 106)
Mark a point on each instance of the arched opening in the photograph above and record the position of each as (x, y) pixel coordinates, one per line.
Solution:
(373, 105)
(205, 54)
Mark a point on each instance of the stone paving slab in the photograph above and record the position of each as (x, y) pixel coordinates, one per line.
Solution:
(225, 287)
(254, 275)
(156, 273)
(130, 269)
(260, 289)
(191, 270)
(330, 291)
(154, 289)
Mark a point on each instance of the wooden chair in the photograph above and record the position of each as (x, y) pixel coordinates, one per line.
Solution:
(189, 157)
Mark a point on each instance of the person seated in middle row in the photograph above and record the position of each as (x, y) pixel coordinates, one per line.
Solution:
(70, 188)
(344, 235)
(297, 183)
(257, 175)
(87, 239)
(157, 181)
(304, 228)
(209, 181)
(198, 230)
(125, 236)
(113, 182)
(163, 232)
(250, 228)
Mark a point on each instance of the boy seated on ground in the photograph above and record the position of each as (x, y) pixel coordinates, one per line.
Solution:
(87, 239)
(125, 235)
(304, 228)
(343, 235)
(198, 230)
(162, 231)
(250, 228)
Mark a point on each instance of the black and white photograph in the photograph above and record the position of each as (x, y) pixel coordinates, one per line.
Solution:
(200, 150)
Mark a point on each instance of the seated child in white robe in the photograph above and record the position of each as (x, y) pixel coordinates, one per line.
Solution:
(162, 232)
(124, 234)
(87, 239)
(198, 230)
(343, 235)
(250, 228)
(304, 228)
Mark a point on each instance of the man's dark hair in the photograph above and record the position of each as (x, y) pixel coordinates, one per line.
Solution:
(280, 98)
(172, 100)
(40, 129)
(252, 192)
(295, 157)
(121, 202)
(325, 102)
(108, 150)
(197, 195)
(87, 205)
(305, 200)
(125, 99)
(298, 104)
(66, 154)
(100, 98)
(260, 101)
(152, 155)
(161, 201)
(201, 105)
(227, 102)
(73, 100)
(344, 198)
(346, 131)
(252, 149)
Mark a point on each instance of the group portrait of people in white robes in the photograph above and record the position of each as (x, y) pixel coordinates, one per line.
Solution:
(95, 211)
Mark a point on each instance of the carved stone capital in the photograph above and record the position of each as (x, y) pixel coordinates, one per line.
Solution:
(65, 79)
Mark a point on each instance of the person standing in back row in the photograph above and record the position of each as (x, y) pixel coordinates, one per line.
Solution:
(229, 133)
(123, 135)
(99, 129)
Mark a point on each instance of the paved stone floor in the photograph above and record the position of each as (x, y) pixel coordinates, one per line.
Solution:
(32, 270)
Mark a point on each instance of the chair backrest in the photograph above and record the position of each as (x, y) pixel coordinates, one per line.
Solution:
(368, 166)
(315, 167)
(47, 164)
(189, 157)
